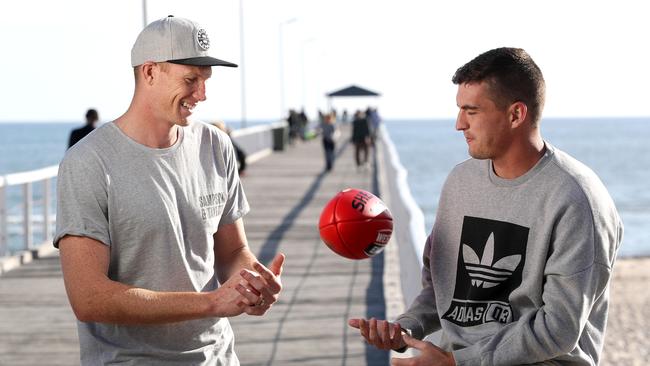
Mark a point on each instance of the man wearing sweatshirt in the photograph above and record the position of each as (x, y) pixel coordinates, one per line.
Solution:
(518, 264)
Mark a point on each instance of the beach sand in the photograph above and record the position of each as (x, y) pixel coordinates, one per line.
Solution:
(627, 341)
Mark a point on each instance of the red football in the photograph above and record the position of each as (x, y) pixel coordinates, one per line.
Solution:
(355, 224)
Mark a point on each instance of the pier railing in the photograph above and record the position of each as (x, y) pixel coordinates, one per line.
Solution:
(26, 181)
(409, 228)
(17, 192)
(259, 141)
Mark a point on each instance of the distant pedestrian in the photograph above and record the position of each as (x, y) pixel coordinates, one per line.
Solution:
(78, 133)
(304, 124)
(360, 138)
(373, 121)
(329, 133)
(239, 152)
(294, 126)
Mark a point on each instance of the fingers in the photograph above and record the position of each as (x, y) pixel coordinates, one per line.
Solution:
(373, 335)
(249, 293)
(384, 329)
(254, 280)
(412, 342)
(379, 333)
(272, 276)
(276, 264)
(259, 291)
(363, 328)
(397, 336)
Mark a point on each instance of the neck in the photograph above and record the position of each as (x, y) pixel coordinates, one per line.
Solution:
(147, 130)
(519, 158)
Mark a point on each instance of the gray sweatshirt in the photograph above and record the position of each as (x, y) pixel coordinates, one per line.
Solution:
(516, 271)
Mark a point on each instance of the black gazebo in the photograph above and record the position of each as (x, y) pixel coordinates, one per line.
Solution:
(353, 91)
(350, 91)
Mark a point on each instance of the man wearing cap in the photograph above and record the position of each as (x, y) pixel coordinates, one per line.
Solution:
(149, 221)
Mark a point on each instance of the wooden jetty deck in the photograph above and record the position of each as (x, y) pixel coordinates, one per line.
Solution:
(308, 326)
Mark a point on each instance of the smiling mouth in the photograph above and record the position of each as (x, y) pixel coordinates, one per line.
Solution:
(188, 106)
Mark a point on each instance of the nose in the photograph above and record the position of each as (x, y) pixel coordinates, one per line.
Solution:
(199, 93)
(461, 122)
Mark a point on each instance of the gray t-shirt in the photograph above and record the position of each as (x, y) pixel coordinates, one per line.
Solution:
(516, 271)
(157, 210)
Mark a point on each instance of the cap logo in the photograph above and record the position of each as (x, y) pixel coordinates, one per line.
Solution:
(202, 39)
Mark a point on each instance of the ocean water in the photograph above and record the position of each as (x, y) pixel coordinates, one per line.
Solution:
(615, 148)
(30, 146)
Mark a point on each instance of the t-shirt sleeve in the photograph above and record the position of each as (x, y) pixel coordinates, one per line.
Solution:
(82, 198)
(236, 204)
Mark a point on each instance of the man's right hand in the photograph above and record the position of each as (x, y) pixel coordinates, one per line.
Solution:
(380, 333)
(227, 300)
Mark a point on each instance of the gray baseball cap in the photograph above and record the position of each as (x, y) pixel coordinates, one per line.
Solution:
(175, 40)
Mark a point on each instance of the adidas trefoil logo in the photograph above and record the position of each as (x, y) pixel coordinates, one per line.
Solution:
(482, 271)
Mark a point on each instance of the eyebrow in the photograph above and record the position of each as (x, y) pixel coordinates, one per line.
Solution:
(197, 75)
(468, 107)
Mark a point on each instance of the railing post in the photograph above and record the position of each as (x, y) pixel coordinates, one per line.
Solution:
(46, 209)
(4, 237)
(27, 215)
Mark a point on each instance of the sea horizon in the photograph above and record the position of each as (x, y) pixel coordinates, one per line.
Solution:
(615, 148)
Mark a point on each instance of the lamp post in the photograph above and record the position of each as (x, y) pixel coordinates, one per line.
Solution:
(304, 81)
(144, 13)
(242, 66)
(281, 54)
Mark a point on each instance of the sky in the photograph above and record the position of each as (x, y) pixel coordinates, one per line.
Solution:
(62, 57)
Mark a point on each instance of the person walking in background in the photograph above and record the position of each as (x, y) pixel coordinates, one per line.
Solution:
(329, 133)
(374, 121)
(77, 134)
(239, 152)
(149, 219)
(344, 116)
(360, 138)
(294, 125)
(303, 124)
(518, 265)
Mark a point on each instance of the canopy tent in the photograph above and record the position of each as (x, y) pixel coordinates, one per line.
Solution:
(350, 91)
(353, 91)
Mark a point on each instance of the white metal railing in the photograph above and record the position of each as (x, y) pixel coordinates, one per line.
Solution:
(409, 228)
(26, 180)
(257, 141)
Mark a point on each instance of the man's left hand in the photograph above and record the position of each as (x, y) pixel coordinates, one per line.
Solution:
(430, 355)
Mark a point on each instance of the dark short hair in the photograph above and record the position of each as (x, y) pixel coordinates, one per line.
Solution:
(92, 114)
(511, 76)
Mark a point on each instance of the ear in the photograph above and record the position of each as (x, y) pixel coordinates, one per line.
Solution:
(518, 112)
(147, 72)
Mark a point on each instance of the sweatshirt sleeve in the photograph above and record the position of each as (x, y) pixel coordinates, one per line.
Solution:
(574, 296)
(422, 317)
